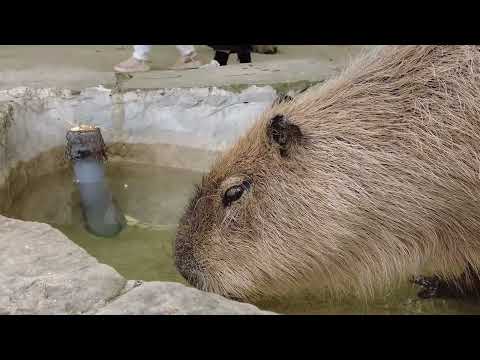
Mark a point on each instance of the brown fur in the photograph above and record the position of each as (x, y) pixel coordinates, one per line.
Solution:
(379, 177)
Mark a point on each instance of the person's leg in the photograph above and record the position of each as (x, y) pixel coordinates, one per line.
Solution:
(265, 49)
(142, 52)
(189, 58)
(244, 57)
(221, 57)
(138, 61)
(186, 50)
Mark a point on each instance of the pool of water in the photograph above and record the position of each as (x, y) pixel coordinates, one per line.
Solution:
(153, 198)
(401, 301)
(139, 254)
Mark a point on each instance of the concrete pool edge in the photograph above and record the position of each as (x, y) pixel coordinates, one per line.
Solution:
(43, 271)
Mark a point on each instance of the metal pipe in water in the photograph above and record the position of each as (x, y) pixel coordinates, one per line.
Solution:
(86, 151)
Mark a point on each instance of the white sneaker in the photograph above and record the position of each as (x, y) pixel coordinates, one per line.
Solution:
(191, 61)
(132, 65)
(211, 64)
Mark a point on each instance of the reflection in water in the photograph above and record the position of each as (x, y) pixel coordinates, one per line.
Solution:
(155, 198)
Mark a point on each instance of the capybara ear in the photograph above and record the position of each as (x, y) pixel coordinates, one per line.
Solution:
(283, 133)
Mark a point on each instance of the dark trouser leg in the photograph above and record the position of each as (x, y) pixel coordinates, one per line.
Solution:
(244, 57)
(221, 57)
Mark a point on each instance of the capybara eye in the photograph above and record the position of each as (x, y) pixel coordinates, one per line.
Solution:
(235, 192)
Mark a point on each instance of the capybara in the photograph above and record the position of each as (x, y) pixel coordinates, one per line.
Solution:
(353, 186)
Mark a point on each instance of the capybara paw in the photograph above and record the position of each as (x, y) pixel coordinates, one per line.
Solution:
(429, 285)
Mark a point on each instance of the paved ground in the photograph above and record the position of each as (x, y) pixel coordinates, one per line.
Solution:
(80, 66)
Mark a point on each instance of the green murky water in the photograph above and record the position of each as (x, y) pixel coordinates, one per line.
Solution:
(401, 301)
(154, 198)
(139, 254)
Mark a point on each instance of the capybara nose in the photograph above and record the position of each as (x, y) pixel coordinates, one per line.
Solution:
(185, 261)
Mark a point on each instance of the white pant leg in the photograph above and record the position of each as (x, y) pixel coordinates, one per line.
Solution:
(185, 50)
(141, 52)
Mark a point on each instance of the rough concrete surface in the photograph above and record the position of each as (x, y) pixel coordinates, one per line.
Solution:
(43, 272)
(175, 299)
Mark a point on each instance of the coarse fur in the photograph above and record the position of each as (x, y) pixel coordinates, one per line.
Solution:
(351, 187)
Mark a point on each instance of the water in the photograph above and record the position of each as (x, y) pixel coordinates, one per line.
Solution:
(402, 301)
(153, 199)
(139, 254)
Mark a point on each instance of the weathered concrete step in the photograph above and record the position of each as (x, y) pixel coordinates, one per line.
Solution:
(43, 272)
(278, 72)
(168, 298)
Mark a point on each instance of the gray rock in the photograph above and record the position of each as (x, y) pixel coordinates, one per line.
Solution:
(43, 272)
(167, 298)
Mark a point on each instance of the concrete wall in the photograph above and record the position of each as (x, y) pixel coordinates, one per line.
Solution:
(183, 128)
(204, 118)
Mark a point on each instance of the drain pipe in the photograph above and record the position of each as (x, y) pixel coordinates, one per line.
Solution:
(86, 150)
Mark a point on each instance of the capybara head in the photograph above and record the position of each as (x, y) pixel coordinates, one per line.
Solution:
(351, 186)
